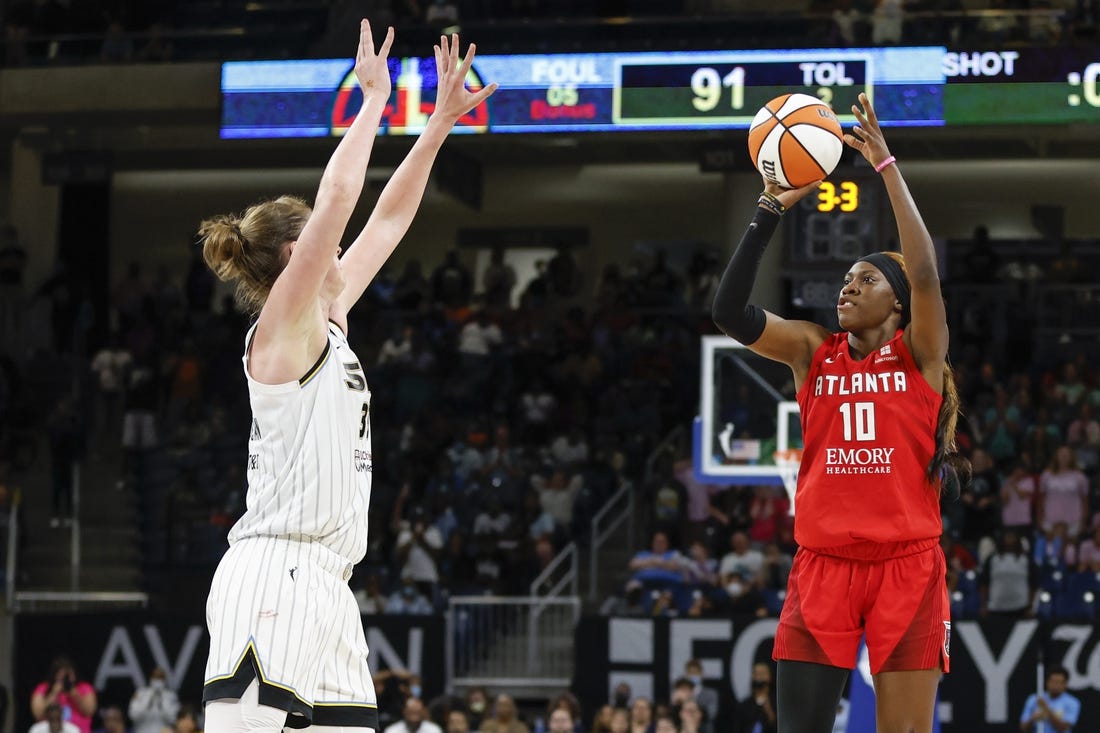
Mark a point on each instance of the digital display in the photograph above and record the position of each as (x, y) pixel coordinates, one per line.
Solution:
(1022, 86)
(696, 90)
(588, 92)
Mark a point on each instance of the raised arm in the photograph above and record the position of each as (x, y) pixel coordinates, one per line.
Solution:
(402, 195)
(791, 342)
(927, 331)
(293, 298)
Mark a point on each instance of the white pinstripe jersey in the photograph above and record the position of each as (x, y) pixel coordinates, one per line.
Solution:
(309, 454)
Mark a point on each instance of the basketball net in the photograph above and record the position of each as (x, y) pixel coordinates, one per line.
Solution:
(788, 463)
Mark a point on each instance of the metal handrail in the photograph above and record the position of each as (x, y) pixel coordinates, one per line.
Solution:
(598, 536)
(569, 552)
(523, 671)
(32, 598)
(13, 548)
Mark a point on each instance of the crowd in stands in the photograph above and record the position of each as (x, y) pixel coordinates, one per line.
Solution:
(64, 702)
(152, 31)
(498, 431)
(1021, 539)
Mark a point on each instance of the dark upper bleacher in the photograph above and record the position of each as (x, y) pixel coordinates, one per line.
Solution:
(90, 31)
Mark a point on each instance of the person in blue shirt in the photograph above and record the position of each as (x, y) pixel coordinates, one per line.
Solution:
(1054, 712)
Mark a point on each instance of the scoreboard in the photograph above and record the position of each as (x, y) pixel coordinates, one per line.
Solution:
(684, 90)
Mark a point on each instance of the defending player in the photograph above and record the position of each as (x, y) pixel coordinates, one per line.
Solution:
(286, 639)
(878, 409)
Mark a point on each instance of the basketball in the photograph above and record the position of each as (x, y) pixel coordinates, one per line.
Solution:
(795, 139)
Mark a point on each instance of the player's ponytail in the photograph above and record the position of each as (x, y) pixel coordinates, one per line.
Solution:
(947, 466)
(250, 249)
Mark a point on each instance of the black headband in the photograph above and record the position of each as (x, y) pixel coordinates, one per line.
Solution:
(894, 275)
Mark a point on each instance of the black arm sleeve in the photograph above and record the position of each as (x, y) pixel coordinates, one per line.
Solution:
(731, 311)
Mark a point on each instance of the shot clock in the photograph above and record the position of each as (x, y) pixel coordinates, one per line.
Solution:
(1024, 86)
(826, 232)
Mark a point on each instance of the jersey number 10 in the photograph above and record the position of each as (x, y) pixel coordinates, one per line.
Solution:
(859, 420)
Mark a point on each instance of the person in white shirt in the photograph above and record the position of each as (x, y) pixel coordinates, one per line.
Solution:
(53, 722)
(414, 719)
(153, 707)
(743, 558)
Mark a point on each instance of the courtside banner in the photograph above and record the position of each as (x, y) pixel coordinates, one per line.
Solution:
(116, 651)
(993, 664)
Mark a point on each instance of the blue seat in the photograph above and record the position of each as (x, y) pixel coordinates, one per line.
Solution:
(971, 596)
(1051, 578)
(1046, 607)
(773, 600)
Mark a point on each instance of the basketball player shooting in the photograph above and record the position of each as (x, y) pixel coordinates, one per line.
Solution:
(287, 646)
(878, 409)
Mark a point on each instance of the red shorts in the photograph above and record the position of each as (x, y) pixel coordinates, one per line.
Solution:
(895, 594)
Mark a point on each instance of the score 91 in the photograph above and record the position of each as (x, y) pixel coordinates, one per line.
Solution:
(707, 85)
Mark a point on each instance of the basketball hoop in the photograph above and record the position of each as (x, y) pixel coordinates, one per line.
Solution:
(788, 463)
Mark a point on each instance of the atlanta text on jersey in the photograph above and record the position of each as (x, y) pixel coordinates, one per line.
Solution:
(860, 383)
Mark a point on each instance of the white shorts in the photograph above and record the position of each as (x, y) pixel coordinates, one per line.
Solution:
(280, 611)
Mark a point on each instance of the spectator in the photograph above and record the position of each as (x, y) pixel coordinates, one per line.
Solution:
(370, 599)
(409, 600)
(1008, 580)
(458, 721)
(768, 511)
(1088, 554)
(758, 709)
(451, 282)
(1083, 436)
(53, 722)
(979, 498)
(705, 696)
(700, 569)
(660, 566)
(641, 715)
(117, 48)
(113, 720)
(1056, 709)
(153, 707)
(664, 723)
(504, 718)
(692, 717)
(1017, 495)
(561, 721)
(477, 702)
(418, 545)
(442, 15)
(414, 719)
(1051, 548)
(557, 494)
(601, 721)
(1063, 494)
(620, 720)
(397, 349)
(498, 280)
(76, 698)
(741, 557)
(110, 365)
(187, 720)
(887, 20)
(775, 569)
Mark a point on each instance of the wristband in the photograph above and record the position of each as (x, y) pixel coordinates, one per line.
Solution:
(882, 166)
(772, 203)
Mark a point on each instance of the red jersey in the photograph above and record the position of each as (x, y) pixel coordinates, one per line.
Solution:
(869, 431)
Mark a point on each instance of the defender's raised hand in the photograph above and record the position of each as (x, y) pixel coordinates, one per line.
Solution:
(371, 69)
(453, 99)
